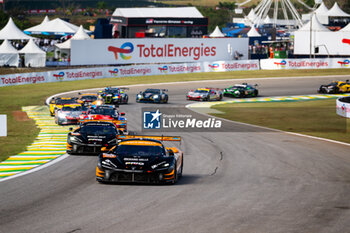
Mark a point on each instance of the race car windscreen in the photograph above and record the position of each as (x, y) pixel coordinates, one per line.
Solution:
(65, 101)
(89, 98)
(97, 130)
(333, 84)
(73, 109)
(102, 111)
(139, 150)
(238, 87)
(201, 91)
(153, 91)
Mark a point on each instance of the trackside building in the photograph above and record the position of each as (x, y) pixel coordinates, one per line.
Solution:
(182, 22)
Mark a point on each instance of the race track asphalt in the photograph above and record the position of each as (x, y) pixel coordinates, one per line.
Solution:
(250, 180)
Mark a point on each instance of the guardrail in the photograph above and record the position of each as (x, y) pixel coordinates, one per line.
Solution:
(343, 107)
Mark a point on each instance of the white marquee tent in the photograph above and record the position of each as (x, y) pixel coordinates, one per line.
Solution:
(79, 35)
(335, 11)
(328, 42)
(253, 32)
(321, 10)
(33, 55)
(54, 27)
(8, 54)
(12, 32)
(251, 16)
(45, 20)
(217, 33)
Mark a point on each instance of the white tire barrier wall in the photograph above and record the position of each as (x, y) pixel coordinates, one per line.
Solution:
(287, 64)
(125, 71)
(343, 107)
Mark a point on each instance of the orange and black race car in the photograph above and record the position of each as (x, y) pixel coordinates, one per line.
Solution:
(335, 87)
(91, 137)
(141, 159)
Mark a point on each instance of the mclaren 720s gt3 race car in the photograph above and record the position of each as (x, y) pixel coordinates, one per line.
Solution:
(141, 159)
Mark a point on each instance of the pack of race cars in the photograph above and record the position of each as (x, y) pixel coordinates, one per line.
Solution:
(102, 130)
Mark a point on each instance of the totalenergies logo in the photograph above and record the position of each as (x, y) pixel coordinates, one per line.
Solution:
(283, 63)
(114, 72)
(124, 49)
(214, 66)
(163, 69)
(344, 63)
(346, 41)
(59, 76)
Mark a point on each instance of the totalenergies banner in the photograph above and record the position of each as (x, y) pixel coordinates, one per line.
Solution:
(164, 50)
(280, 64)
(126, 71)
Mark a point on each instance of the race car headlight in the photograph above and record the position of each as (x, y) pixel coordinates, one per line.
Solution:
(237, 92)
(114, 140)
(139, 96)
(75, 139)
(61, 115)
(160, 165)
(156, 96)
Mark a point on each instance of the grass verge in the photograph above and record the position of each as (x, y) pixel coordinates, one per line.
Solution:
(316, 118)
(21, 133)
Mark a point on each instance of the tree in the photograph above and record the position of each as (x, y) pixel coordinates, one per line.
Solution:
(101, 5)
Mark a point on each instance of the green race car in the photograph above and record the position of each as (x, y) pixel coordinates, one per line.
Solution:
(241, 91)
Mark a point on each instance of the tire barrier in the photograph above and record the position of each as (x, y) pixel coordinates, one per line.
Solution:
(343, 107)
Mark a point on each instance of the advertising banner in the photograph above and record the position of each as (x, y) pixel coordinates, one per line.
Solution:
(126, 71)
(280, 64)
(163, 50)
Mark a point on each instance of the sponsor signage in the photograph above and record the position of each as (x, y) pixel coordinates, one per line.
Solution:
(125, 71)
(164, 50)
(330, 63)
(3, 125)
(160, 21)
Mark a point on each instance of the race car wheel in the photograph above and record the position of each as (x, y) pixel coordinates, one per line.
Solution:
(181, 168)
(126, 99)
(165, 100)
(176, 177)
(255, 93)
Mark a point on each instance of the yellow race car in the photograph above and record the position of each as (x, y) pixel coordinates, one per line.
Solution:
(58, 103)
(335, 87)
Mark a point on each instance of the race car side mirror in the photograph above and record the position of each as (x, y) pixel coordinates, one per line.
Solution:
(122, 113)
(70, 128)
(171, 152)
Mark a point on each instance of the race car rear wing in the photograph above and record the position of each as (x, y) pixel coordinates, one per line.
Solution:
(214, 88)
(159, 138)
